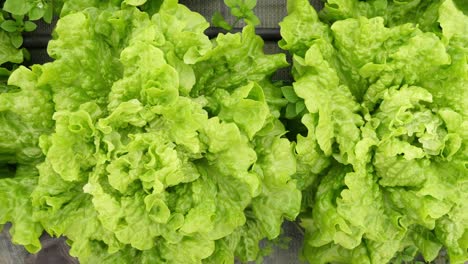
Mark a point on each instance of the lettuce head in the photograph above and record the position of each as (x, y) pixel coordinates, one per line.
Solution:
(380, 91)
(153, 143)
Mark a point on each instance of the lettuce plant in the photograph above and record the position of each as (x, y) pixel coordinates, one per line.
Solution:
(153, 144)
(383, 160)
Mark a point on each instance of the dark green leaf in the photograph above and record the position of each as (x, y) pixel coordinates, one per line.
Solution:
(19, 19)
(26, 54)
(9, 26)
(300, 106)
(16, 40)
(461, 4)
(4, 72)
(48, 15)
(218, 21)
(151, 7)
(289, 94)
(36, 12)
(252, 19)
(29, 26)
(237, 12)
(17, 7)
(290, 111)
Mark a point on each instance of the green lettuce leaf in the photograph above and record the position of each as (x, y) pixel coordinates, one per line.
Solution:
(25, 113)
(235, 60)
(16, 207)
